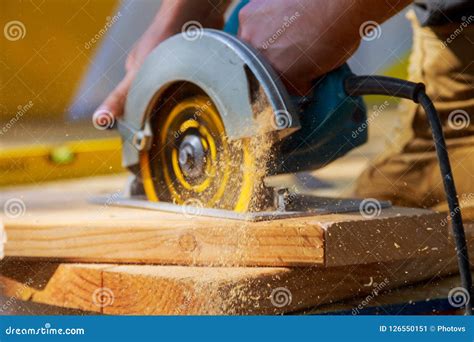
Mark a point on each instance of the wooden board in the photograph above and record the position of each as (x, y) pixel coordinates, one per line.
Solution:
(421, 298)
(143, 289)
(59, 224)
(152, 290)
(148, 289)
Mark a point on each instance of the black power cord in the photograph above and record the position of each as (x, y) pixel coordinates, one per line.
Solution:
(381, 85)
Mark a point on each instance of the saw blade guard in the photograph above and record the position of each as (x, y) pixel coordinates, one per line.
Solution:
(192, 116)
(239, 83)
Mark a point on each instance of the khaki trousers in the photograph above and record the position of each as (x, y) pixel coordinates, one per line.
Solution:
(408, 175)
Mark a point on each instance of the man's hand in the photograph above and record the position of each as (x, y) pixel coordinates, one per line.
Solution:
(305, 39)
(171, 17)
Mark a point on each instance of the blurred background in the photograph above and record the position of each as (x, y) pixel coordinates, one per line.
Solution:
(60, 58)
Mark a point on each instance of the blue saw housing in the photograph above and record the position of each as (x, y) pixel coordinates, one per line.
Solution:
(332, 122)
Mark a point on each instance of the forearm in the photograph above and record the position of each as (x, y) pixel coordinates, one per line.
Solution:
(174, 13)
(323, 35)
(348, 16)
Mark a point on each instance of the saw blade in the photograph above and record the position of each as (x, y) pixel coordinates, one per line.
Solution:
(191, 161)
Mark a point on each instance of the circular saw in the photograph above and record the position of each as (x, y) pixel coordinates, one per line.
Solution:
(207, 119)
(193, 118)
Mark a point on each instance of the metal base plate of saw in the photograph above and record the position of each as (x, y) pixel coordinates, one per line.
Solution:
(285, 204)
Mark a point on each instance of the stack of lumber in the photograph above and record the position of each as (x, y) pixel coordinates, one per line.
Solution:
(65, 252)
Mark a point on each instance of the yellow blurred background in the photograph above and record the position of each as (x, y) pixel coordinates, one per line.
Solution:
(43, 56)
(46, 49)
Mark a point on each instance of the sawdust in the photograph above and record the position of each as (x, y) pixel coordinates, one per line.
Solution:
(261, 148)
(238, 298)
(230, 291)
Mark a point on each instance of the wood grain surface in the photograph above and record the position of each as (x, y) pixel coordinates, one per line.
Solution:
(58, 223)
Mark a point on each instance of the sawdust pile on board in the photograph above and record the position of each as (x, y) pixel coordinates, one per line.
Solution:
(226, 291)
(232, 291)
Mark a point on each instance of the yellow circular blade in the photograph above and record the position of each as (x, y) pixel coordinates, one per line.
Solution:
(227, 180)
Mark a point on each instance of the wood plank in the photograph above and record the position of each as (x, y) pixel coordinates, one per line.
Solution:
(127, 235)
(141, 289)
(410, 233)
(27, 308)
(89, 233)
(179, 290)
(139, 236)
(421, 297)
(39, 281)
